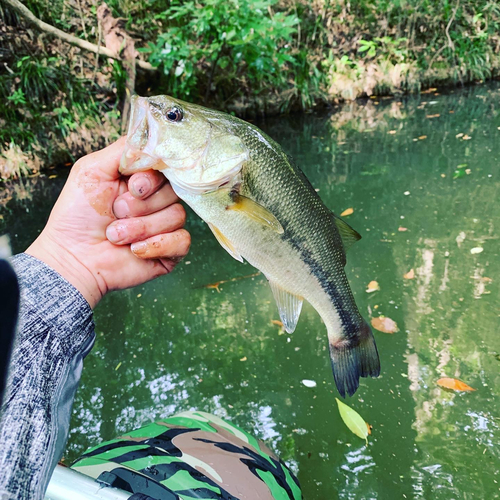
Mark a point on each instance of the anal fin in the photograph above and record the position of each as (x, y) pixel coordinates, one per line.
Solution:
(225, 243)
(289, 306)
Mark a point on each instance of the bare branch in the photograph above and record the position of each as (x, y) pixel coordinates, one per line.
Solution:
(25, 13)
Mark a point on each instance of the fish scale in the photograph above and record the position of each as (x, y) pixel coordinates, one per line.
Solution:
(262, 208)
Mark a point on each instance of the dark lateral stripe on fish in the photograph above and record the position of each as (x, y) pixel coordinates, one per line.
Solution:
(356, 356)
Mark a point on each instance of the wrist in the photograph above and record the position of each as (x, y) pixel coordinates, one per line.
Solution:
(68, 266)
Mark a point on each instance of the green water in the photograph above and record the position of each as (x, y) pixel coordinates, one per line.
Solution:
(175, 345)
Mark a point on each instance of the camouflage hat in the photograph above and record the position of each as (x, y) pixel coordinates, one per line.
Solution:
(191, 455)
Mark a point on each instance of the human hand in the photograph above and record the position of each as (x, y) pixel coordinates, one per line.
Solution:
(103, 234)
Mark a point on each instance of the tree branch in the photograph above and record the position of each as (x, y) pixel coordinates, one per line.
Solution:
(26, 14)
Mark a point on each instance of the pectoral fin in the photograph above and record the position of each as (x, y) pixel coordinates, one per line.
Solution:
(289, 306)
(225, 243)
(347, 233)
(255, 211)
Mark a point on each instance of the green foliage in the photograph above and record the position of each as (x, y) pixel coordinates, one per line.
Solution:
(227, 44)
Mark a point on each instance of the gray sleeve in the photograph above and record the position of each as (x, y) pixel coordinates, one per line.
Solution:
(55, 333)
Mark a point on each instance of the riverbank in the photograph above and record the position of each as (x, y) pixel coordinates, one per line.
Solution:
(58, 102)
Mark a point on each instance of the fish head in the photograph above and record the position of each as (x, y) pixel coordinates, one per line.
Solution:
(195, 147)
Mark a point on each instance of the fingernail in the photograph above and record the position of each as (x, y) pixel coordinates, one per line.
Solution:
(139, 248)
(140, 187)
(120, 208)
(113, 234)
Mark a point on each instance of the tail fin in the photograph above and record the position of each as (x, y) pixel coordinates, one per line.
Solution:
(354, 358)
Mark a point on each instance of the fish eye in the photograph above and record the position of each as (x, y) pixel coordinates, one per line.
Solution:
(175, 114)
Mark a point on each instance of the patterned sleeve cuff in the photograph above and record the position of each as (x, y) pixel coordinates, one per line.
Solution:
(55, 301)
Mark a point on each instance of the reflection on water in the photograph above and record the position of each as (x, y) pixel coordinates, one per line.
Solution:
(176, 345)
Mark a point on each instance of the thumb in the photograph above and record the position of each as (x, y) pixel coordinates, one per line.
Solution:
(107, 160)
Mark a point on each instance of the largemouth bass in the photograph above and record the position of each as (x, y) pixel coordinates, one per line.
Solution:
(261, 208)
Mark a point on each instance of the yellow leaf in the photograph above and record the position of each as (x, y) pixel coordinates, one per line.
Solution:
(454, 384)
(244, 358)
(433, 116)
(118, 365)
(369, 427)
(353, 420)
(347, 211)
(276, 322)
(385, 325)
(422, 137)
(402, 229)
(409, 275)
(373, 286)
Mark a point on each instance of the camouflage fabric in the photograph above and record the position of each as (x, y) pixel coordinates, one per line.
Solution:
(193, 455)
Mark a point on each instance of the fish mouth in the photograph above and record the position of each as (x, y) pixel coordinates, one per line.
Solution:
(139, 154)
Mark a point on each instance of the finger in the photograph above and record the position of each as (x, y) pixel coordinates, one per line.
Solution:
(126, 231)
(144, 184)
(106, 160)
(128, 206)
(173, 245)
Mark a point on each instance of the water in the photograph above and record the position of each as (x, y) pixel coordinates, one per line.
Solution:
(175, 344)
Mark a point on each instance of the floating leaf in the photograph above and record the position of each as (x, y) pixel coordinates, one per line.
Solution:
(347, 211)
(385, 325)
(276, 322)
(118, 365)
(422, 137)
(244, 358)
(476, 250)
(353, 420)
(433, 116)
(454, 384)
(369, 427)
(373, 286)
(409, 275)
(309, 383)
(402, 229)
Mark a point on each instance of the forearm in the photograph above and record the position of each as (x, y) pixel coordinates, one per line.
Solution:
(55, 332)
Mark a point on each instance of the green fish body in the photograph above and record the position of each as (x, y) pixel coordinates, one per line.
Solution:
(261, 208)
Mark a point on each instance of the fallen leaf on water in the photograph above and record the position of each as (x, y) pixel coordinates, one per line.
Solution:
(454, 384)
(218, 283)
(347, 211)
(139, 295)
(309, 383)
(409, 275)
(422, 137)
(52, 176)
(353, 420)
(392, 132)
(244, 358)
(369, 427)
(402, 229)
(461, 134)
(118, 366)
(476, 250)
(384, 324)
(373, 286)
(433, 116)
(466, 137)
(276, 322)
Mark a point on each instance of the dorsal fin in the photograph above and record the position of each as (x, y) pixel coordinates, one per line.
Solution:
(347, 233)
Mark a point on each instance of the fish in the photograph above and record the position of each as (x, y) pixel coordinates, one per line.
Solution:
(260, 207)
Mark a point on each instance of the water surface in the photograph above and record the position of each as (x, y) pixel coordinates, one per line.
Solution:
(176, 344)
